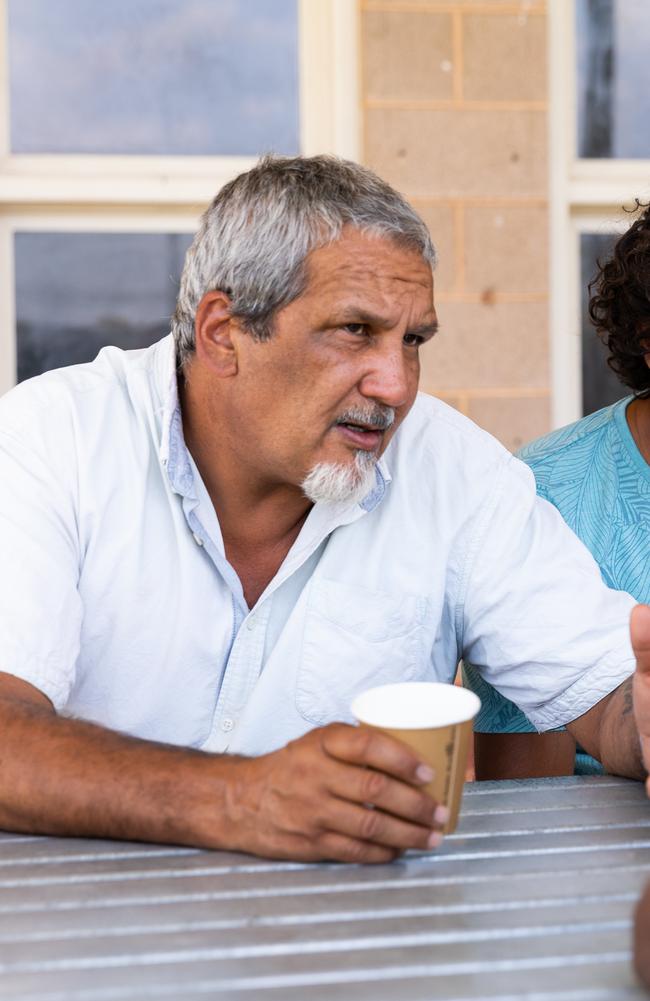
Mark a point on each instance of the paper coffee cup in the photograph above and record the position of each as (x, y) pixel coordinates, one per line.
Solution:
(436, 721)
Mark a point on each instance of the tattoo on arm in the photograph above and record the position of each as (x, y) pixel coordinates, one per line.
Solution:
(628, 701)
(609, 732)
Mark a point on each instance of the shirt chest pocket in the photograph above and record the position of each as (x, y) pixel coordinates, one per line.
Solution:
(354, 639)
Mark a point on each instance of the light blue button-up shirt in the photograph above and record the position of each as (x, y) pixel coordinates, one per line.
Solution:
(117, 601)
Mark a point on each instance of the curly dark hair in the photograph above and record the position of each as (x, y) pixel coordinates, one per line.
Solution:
(620, 304)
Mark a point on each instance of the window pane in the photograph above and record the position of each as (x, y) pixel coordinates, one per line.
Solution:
(153, 76)
(613, 38)
(600, 386)
(76, 292)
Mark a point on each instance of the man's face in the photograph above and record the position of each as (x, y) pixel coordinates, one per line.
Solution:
(341, 362)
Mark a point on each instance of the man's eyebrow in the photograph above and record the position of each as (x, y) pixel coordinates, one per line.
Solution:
(352, 314)
(424, 330)
(356, 314)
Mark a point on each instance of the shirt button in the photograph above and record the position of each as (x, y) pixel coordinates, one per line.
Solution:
(251, 622)
(227, 725)
(197, 539)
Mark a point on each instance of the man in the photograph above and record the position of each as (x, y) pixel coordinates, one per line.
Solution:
(210, 546)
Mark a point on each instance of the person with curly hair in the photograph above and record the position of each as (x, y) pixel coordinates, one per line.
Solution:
(597, 473)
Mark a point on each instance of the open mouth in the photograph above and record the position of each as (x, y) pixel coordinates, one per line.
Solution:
(366, 436)
(359, 427)
(364, 428)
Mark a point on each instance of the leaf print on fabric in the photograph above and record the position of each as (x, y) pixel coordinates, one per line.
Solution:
(628, 560)
(583, 496)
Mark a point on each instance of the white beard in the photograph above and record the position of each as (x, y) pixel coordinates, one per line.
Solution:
(334, 482)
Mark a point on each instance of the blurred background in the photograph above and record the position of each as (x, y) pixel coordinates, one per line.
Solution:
(518, 128)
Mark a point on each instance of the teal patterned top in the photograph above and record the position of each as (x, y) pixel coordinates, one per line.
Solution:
(593, 472)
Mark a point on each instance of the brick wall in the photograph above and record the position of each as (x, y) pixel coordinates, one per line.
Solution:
(454, 114)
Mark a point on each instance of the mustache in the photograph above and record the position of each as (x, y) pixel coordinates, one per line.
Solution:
(377, 417)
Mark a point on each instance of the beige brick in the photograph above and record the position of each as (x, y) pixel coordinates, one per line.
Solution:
(514, 421)
(504, 58)
(407, 55)
(522, 6)
(439, 217)
(506, 248)
(504, 345)
(455, 153)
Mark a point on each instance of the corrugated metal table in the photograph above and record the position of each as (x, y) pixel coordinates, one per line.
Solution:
(531, 898)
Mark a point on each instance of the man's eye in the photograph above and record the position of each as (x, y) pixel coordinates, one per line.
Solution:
(355, 328)
(413, 340)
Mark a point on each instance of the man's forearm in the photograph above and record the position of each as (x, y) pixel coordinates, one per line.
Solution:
(68, 777)
(338, 792)
(609, 733)
(307, 800)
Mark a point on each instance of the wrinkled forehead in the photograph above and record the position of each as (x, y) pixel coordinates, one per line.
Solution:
(368, 263)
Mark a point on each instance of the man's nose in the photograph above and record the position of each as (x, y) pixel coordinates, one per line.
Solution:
(388, 378)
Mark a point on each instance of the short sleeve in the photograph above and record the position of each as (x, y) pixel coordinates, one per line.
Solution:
(537, 621)
(40, 605)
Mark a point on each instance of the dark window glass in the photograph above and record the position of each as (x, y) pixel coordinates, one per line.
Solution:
(153, 76)
(600, 386)
(77, 292)
(613, 42)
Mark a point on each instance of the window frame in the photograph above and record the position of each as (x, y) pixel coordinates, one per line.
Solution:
(109, 193)
(585, 195)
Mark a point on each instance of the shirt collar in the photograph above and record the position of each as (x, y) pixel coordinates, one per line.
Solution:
(376, 495)
(166, 387)
(173, 452)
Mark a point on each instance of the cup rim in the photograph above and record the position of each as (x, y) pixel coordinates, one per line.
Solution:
(377, 706)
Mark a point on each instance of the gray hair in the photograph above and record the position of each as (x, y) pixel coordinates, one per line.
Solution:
(255, 237)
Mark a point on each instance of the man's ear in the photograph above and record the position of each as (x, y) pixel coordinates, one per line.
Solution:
(213, 327)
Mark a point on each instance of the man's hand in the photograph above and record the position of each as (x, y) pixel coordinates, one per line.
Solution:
(341, 793)
(640, 633)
